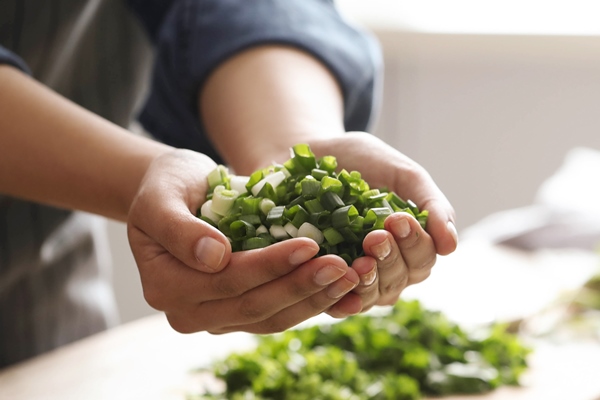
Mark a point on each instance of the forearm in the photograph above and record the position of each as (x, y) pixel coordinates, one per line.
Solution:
(264, 100)
(55, 152)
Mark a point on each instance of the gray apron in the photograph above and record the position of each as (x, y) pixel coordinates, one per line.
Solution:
(55, 284)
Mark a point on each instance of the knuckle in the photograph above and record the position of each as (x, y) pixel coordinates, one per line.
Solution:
(226, 287)
(252, 310)
(394, 287)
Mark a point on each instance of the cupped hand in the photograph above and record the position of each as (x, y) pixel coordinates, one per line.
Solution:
(403, 253)
(188, 271)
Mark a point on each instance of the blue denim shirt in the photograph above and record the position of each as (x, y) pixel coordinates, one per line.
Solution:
(191, 37)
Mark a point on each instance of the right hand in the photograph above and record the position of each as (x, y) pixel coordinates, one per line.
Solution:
(188, 271)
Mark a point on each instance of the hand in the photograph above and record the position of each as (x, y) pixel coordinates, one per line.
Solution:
(403, 253)
(188, 271)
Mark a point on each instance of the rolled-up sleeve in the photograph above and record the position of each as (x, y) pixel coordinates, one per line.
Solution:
(9, 58)
(196, 36)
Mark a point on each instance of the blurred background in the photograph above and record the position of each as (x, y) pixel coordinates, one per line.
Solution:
(489, 96)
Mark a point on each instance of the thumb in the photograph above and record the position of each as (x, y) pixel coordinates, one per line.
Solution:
(173, 228)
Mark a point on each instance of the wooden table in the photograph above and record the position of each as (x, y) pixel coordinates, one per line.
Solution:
(147, 360)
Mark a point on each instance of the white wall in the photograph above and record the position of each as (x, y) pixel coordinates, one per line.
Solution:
(490, 116)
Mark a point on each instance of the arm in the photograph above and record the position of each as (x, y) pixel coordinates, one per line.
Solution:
(52, 150)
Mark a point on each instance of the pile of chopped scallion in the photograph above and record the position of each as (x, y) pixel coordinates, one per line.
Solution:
(407, 354)
(303, 197)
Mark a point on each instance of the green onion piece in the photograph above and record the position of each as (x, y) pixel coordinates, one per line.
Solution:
(332, 236)
(218, 176)
(249, 205)
(267, 192)
(296, 214)
(413, 207)
(328, 163)
(330, 201)
(261, 230)
(422, 218)
(321, 219)
(241, 230)
(349, 235)
(310, 187)
(207, 212)
(256, 243)
(313, 206)
(331, 184)
(291, 230)
(224, 224)
(357, 224)
(395, 200)
(254, 179)
(239, 182)
(275, 215)
(278, 232)
(223, 200)
(319, 174)
(375, 218)
(310, 231)
(252, 219)
(304, 157)
(266, 205)
(343, 216)
(274, 179)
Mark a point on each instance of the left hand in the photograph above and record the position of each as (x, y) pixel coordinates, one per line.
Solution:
(404, 253)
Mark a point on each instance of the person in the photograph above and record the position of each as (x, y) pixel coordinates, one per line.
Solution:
(235, 82)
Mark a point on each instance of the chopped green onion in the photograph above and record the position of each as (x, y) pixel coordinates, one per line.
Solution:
(207, 212)
(330, 201)
(301, 197)
(310, 231)
(343, 216)
(332, 236)
(266, 205)
(223, 201)
(278, 232)
(241, 230)
(273, 179)
(275, 215)
(239, 182)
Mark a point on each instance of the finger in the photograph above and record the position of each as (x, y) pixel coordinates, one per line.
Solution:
(176, 283)
(441, 226)
(305, 309)
(250, 269)
(350, 304)
(391, 266)
(255, 307)
(368, 287)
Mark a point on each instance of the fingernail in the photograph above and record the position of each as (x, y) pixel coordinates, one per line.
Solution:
(210, 252)
(301, 255)
(452, 230)
(382, 250)
(328, 274)
(336, 290)
(401, 228)
(369, 278)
